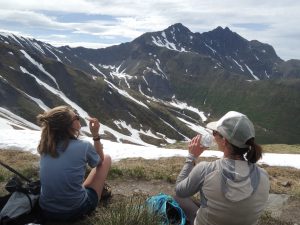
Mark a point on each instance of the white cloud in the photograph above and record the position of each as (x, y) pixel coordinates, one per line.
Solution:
(73, 44)
(57, 42)
(14, 32)
(128, 19)
(53, 5)
(58, 36)
(33, 19)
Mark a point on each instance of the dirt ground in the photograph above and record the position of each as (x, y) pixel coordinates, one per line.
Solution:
(131, 187)
(291, 211)
(284, 207)
(149, 177)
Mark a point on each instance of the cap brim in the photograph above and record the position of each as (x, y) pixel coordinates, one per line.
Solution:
(212, 125)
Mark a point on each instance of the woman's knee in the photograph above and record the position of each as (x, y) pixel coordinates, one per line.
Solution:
(105, 164)
(107, 159)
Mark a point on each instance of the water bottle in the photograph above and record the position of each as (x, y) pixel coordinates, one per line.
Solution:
(207, 140)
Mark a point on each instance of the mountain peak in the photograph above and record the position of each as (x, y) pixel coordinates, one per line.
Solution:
(224, 35)
(223, 30)
(179, 27)
(134, 78)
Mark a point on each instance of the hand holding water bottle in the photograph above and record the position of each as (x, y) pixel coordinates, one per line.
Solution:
(207, 140)
(200, 143)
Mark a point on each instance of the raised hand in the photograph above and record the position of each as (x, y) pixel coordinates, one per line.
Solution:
(94, 126)
(195, 148)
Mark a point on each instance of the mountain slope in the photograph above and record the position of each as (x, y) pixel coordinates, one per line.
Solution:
(136, 88)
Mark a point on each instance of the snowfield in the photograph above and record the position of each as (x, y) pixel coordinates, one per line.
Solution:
(27, 140)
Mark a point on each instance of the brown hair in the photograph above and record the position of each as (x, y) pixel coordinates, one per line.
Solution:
(253, 152)
(56, 126)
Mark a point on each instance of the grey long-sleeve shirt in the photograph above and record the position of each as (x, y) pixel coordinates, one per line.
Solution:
(232, 192)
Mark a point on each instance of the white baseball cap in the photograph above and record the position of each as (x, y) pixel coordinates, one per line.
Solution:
(235, 127)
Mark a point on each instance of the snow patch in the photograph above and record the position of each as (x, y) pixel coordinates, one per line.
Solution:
(185, 137)
(251, 72)
(57, 58)
(166, 44)
(145, 80)
(38, 47)
(97, 70)
(9, 139)
(183, 105)
(9, 119)
(38, 101)
(267, 75)
(241, 68)
(39, 66)
(197, 128)
(125, 94)
(214, 51)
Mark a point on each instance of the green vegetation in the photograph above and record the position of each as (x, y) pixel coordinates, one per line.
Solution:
(126, 212)
(270, 148)
(178, 145)
(129, 209)
(272, 105)
(165, 169)
(281, 148)
(121, 211)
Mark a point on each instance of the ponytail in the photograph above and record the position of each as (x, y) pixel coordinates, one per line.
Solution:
(255, 151)
(56, 126)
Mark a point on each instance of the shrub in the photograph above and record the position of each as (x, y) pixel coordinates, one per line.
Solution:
(130, 211)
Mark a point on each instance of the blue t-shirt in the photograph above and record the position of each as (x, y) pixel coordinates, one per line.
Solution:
(62, 177)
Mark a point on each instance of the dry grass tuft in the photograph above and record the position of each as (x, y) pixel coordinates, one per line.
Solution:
(165, 169)
(284, 180)
(282, 148)
(274, 148)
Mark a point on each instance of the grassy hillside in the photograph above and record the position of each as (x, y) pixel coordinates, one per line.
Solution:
(130, 178)
(273, 105)
(267, 148)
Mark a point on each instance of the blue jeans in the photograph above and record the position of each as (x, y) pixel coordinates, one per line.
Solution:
(87, 207)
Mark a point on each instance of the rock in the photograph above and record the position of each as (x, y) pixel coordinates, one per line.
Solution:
(286, 183)
(275, 204)
(290, 211)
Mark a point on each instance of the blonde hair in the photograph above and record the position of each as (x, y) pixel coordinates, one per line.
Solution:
(56, 126)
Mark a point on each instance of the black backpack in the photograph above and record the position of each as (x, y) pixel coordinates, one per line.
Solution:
(25, 193)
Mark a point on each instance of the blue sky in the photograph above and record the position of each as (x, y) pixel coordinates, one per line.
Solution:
(101, 23)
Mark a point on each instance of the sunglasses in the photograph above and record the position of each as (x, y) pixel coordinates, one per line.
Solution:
(216, 133)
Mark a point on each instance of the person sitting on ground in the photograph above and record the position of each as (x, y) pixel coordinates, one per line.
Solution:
(65, 195)
(233, 189)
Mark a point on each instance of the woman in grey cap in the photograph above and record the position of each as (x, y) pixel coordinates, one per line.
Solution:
(233, 190)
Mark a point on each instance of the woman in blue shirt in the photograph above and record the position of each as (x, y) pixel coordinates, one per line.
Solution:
(65, 194)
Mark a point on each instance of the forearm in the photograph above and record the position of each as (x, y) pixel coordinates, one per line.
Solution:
(190, 178)
(186, 169)
(99, 147)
